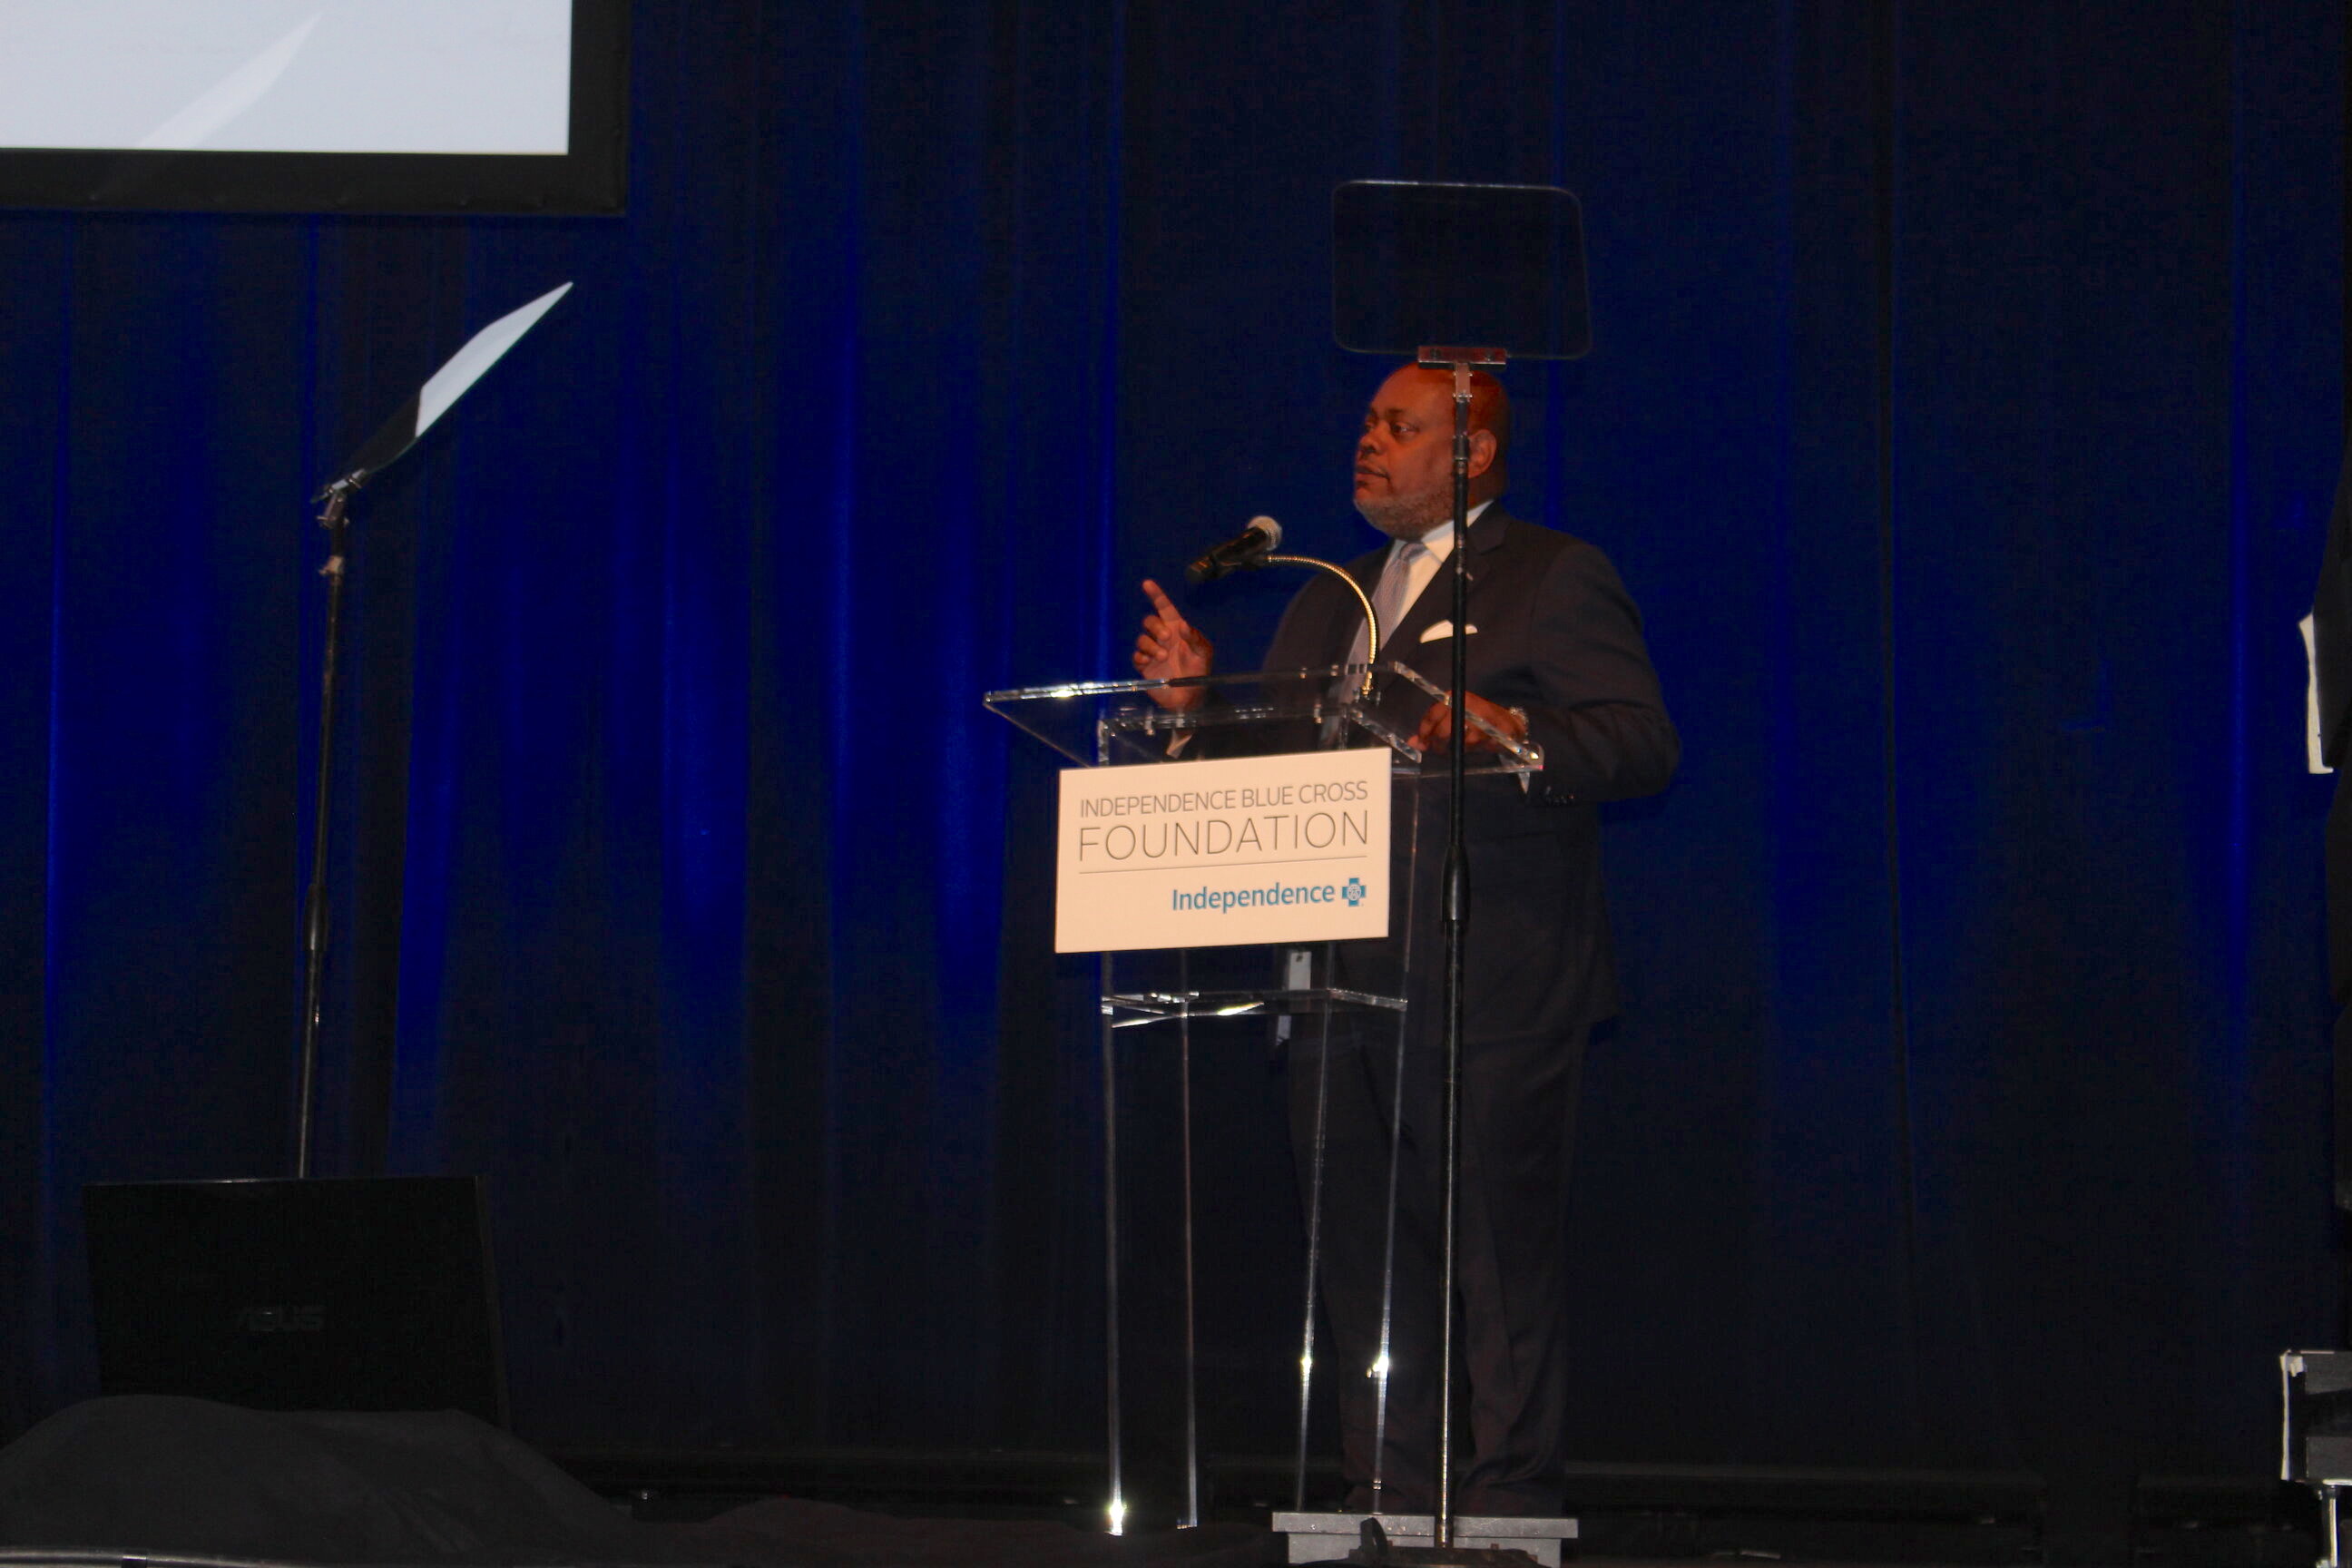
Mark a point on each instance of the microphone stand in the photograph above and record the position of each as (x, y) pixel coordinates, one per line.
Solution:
(1442, 1553)
(1457, 895)
(1372, 621)
(1414, 262)
(314, 906)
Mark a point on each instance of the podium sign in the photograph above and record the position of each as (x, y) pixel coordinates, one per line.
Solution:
(1287, 849)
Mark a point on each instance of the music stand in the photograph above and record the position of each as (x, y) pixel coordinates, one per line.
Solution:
(392, 438)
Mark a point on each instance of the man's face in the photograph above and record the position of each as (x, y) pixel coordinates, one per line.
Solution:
(1404, 458)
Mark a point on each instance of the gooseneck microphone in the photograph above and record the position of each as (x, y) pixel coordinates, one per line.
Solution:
(1246, 548)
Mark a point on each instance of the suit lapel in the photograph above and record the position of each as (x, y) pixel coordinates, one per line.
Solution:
(1436, 601)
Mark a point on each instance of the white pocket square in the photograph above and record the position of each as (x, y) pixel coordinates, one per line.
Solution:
(1446, 630)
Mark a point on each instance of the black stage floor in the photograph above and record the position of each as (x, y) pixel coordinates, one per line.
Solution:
(1645, 1514)
(160, 1479)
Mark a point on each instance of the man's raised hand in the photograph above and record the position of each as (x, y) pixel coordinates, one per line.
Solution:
(1170, 647)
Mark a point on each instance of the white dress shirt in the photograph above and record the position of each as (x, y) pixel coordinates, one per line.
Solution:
(1411, 565)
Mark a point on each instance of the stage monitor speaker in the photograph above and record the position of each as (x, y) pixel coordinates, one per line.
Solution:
(299, 1295)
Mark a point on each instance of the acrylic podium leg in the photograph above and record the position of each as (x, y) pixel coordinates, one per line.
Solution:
(1192, 1516)
(1314, 1244)
(1380, 1364)
(1116, 1509)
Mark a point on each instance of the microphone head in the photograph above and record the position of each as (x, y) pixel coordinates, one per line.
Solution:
(1242, 550)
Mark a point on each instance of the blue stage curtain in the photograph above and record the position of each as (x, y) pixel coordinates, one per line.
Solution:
(1966, 396)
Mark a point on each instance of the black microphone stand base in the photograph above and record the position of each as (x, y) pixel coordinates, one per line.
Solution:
(1495, 1541)
(1375, 1549)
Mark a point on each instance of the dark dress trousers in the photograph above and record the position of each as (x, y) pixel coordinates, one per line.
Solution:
(1553, 632)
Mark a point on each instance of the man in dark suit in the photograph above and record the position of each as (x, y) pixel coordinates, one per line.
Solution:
(1556, 654)
(2331, 646)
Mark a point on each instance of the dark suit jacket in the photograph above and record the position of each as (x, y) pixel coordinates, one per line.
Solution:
(1556, 634)
(2331, 617)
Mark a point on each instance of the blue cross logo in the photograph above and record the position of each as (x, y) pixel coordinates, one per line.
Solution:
(1352, 889)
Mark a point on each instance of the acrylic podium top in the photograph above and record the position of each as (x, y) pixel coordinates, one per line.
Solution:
(1100, 723)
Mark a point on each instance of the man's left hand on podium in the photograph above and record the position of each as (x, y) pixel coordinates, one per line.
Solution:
(1436, 731)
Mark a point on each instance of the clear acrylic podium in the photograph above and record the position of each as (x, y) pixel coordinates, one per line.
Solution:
(1164, 993)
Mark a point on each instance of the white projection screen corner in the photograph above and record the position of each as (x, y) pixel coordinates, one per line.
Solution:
(486, 106)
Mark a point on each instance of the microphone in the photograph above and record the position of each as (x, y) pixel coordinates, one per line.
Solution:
(1242, 550)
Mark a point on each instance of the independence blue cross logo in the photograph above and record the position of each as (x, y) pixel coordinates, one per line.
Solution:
(1352, 889)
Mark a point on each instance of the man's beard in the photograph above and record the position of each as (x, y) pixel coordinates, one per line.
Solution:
(1405, 517)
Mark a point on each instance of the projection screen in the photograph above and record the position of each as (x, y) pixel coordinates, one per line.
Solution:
(314, 105)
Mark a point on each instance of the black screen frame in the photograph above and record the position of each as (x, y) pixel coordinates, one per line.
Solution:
(591, 178)
(1419, 264)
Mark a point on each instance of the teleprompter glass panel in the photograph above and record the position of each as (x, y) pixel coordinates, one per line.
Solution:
(1418, 265)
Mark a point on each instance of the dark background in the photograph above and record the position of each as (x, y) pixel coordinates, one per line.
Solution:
(1964, 408)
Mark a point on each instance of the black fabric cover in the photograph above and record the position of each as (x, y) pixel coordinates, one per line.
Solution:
(161, 1475)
